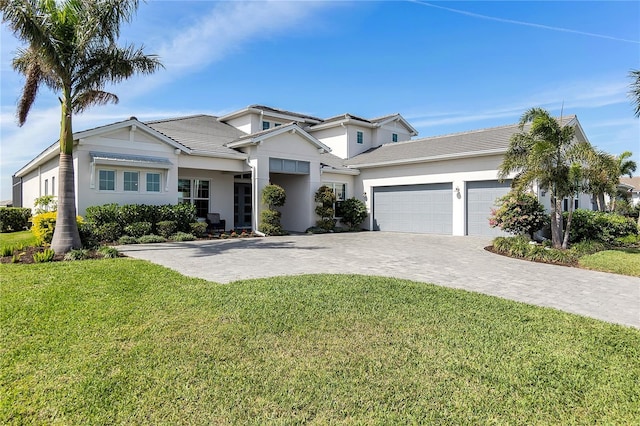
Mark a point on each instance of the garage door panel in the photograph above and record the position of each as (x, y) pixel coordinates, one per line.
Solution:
(481, 198)
(414, 208)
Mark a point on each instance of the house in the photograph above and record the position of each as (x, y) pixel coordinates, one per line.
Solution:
(632, 185)
(444, 184)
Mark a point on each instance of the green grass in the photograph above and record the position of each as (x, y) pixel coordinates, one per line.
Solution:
(13, 239)
(625, 262)
(124, 341)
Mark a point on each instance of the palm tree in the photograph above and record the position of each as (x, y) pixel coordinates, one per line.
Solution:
(71, 48)
(549, 154)
(634, 93)
(623, 166)
(602, 176)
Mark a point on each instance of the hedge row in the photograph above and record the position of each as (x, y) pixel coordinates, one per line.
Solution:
(14, 219)
(599, 226)
(109, 222)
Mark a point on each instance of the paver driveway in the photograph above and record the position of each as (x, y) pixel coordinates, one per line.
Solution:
(458, 262)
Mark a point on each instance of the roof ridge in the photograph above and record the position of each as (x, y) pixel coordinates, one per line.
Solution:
(184, 117)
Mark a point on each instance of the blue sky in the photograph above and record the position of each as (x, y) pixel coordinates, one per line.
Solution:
(445, 66)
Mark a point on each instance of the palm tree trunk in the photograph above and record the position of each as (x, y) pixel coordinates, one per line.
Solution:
(556, 223)
(66, 236)
(565, 240)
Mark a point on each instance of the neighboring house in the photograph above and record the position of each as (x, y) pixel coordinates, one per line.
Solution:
(632, 185)
(445, 184)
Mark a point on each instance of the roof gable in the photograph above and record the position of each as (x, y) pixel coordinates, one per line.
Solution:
(256, 138)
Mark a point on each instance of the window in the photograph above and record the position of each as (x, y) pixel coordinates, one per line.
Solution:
(565, 204)
(53, 185)
(266, 125)
(107, 180)
(195, 191)
(394, 137)
(153, 182)
(340, 190)
(46, 187)
(359, 137)
(131, 181)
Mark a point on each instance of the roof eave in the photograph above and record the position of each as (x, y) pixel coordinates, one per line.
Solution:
(278, 131)
(229, 156)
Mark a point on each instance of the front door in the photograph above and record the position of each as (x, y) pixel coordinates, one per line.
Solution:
(242, 205)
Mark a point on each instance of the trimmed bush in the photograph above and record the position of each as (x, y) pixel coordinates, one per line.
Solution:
(273, 196)
(353, 212)
(600, 226)
(199, 229)
(128, 214)
(166, 228)
(138, 229)
(126, 239)
(108, 252)
(149, 239)
(326, 197)
(182, 236)
(108, 232)
(87, 235)
(14, 219)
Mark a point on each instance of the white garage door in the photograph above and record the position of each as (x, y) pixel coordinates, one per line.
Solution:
(481, 198)
(425, 209)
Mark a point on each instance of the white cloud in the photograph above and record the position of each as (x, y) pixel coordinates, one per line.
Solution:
(225, 30)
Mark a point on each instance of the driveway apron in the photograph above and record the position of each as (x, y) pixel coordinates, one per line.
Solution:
(457, 262)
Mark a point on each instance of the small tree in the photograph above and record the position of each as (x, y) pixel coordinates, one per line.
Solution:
(354, 212)
(45, 204)
(518, 213)
(327, 198)
(273, 196)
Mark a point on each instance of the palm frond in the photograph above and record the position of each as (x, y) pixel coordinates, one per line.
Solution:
(634, 92)
(93, 97)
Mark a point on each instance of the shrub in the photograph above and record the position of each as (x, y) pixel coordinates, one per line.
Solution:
(79, 254)
(628, 240)
(45, 204)
(353, 212)
(521, 247)
(87, 235)
(518, 213)
(270, 223)
(43, 226)
(149, 239)
(199, 229)
(182, 236)
(126, 239)
(327, 198)
(108, 252)
(14, 219)
(138, 229)
(273, 196)
(44, 256)
(600, 226)
(100, 215)
(166, 228)
(108, 232)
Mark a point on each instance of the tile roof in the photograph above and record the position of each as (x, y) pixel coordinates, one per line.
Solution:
(200, 133)
(633, 181)
(284, 112)
(475, 142)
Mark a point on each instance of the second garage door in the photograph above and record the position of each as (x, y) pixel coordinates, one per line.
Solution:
(426, 209)
(481, 198)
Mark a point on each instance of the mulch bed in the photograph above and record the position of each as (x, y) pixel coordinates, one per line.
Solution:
(26, 255)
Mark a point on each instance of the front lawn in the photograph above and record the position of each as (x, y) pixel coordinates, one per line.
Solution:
(625, 262)
(124, 341)
(17, 239)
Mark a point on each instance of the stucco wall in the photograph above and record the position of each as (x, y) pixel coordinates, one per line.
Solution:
(458, 172)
